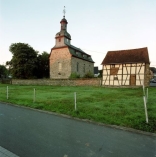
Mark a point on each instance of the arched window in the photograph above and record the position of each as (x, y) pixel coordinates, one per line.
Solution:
(77, 66)
(84, 68)
(59, 66)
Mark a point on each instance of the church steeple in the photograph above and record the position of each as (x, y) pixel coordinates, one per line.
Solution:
(64, 24)
(64, 21)
(63, 37)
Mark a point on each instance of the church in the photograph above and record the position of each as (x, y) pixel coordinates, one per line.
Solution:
(66, 59)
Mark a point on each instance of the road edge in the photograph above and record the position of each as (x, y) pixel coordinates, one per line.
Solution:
(85, 120)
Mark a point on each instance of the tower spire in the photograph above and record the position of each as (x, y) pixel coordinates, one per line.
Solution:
(64, 12)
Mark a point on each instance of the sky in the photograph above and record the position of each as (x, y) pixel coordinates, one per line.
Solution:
(95, 26)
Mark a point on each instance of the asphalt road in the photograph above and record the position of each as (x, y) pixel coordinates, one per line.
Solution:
(30, 133)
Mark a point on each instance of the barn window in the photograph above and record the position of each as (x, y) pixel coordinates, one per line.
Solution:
(115, 78)
(113, 66)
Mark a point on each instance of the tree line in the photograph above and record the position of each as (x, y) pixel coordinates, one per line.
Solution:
(26, 63)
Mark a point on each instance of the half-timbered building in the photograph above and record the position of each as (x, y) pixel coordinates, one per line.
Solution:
(126, 68)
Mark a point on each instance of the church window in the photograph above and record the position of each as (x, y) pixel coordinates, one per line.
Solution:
(84, 68)
(59, 39)
(59, 66)
(84, 56)
(77, 66)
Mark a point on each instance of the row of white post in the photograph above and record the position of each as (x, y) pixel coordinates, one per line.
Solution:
(75, 99)
(145, 99)
(34, 97)
(7, 93)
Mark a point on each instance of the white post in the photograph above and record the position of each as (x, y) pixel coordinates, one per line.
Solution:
(145, 109)
(7, 93)
(143, 87)
(34, 95)
(75, 99)
(146, 95)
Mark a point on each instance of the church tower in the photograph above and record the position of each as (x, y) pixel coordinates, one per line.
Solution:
(62, 38)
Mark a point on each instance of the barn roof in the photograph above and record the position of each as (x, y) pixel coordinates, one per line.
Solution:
(139, 55)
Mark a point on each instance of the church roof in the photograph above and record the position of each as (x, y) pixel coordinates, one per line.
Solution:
(139, 55)
(78, 53)
(63, 20)
(63, 33)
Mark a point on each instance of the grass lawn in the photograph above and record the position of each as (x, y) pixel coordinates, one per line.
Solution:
(117, 106)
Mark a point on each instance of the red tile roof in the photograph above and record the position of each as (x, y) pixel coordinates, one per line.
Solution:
(139, 55)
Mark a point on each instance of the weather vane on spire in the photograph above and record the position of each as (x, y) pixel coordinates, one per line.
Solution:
(64, 11)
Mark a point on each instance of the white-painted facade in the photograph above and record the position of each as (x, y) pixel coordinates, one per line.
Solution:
(124, 74)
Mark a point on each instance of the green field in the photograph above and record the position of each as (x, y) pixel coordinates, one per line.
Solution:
(116, 106)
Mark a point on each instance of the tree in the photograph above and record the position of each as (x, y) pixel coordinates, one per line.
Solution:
(3, 71)
(153, 69)
(43, 65)
(24, 61)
